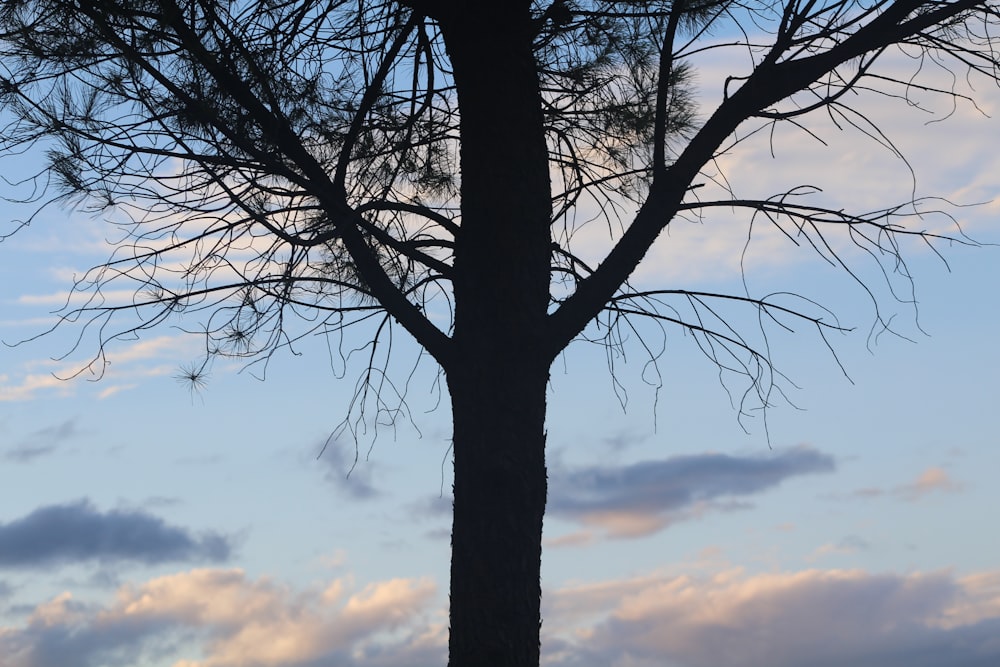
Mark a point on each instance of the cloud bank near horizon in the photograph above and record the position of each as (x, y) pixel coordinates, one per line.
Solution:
(823, 618)
(234, 621)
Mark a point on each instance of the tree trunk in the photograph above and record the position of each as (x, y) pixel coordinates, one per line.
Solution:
(498, 373)
(500, 486)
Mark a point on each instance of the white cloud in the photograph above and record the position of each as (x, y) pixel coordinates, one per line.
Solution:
(950, 159)
(27, 386)
(124, 364)
(111, 390)
(788, 619)
(75, 299)
(237, 622)
(712, 617)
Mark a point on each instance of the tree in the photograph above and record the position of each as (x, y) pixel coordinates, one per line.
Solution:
(420, 162)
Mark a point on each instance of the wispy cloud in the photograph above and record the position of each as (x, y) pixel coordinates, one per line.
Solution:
(29, 385)
(347, 470)
(234, 621)
(78, 532)
(850, 544)
(41, 442)
(821, 618)
(847, 164)
(123, 366)
(642, 498)
(68, 299)
(931, 480)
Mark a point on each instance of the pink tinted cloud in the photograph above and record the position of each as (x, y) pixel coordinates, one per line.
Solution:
(235, 621)
(822, 618)
(932, 480)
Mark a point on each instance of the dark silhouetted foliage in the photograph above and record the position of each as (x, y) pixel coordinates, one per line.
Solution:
(277, 168)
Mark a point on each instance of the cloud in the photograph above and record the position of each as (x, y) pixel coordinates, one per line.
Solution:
(432, 507)
(850, 544)
(619, 442)
(642, 498)
(77, 531)
(41, 442)
(72, 298)
(110, 391)
(929, 481)
(27, 386)
(123, 365)
(949, 159)
(932, 480)
(222, 618)
(821, 618)
(347, 470)
(868, 492)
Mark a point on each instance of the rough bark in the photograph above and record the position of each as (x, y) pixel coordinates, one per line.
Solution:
(500, 486)
(499, 370)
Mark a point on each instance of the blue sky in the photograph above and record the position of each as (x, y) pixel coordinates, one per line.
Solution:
(147, 525)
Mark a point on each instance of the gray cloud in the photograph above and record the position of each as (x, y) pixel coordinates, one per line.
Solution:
(50, 644)
(623, 440)
(432, 507)
(652, 490)
(849, 544)
(642, 498)
(348, 470)
(42, 442)
(79, 532)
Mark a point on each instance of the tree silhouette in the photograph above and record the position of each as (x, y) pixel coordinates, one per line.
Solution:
(426, 164)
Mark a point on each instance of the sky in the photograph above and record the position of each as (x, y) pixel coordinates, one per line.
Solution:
(146, 524)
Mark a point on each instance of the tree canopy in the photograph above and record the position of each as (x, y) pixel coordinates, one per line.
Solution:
(432, 165)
